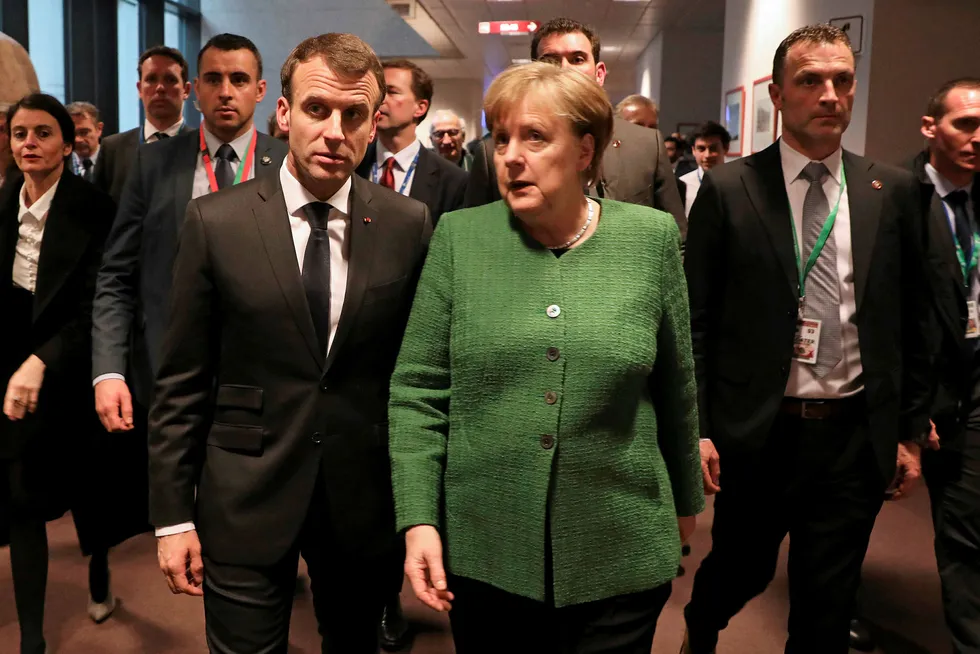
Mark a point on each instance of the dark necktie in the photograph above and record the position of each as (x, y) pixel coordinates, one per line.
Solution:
(222, 170)
(87, 170)
(159, 136)
(388, 176)
(961, 219)
(316, 271)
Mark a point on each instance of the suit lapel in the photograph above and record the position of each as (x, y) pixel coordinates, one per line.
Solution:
(612, 162)
(273, 224)
(359, 263)
(10, 196)
(65, 241)
(864, 208)
(264, 168)
(184, 166)
(426, 180)
(764, 184)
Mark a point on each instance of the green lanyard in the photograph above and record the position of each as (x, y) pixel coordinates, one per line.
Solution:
(960, 256)
(828, 227)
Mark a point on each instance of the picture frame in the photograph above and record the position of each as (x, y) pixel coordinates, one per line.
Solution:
(686, 129)
(733, 113)
(853, 26)
(764, 115)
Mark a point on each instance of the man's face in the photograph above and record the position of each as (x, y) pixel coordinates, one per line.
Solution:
(672, 153)
(400, 108)
(447, 137)
(642, 115)
(708, 152)
(330, 120)
(87, 135)
(817, 92)
(954, 139)
(573, 50)
(162, 89)
(228, 88)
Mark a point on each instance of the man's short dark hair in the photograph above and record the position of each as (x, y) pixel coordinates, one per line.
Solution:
(170, 53)
(230, 43)
(816, 34)
(561, 26)
(937, 103)
(673, 139)
(710, 130)
(346, 54)
(48, 104)
(422, 87)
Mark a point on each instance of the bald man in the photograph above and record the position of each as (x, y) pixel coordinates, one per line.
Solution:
(639, 110)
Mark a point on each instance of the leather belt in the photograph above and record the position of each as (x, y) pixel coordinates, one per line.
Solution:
(823, 409)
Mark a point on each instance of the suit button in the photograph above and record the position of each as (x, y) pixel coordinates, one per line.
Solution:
(553, 354)
(551, 397)
(323, 387)
(547, 441)
(316, 438)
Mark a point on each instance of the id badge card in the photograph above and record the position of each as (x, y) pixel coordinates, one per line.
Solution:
(972, 320)
(806, 343)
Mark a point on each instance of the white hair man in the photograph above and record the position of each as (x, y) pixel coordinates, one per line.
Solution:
(448, 133)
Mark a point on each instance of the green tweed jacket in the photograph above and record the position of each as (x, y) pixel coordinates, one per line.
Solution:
(532, 389)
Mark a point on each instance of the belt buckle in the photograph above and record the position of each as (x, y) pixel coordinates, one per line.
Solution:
(805, 411)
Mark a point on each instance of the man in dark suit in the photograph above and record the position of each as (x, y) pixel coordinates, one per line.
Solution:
(130, 308)
(630, 172)
(163, 88)
(812, 368)
(949, 171)
(398, 159)
(269, 432)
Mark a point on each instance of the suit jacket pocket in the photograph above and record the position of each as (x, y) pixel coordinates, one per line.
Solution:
(239, 397)
(386, 291)
(238, 438)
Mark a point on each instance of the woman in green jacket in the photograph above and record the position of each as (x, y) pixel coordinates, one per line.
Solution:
(543, 418)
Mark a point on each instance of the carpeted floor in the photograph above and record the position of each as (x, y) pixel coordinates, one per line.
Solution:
(900, 598)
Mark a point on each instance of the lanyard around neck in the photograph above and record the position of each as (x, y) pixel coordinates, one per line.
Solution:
(240, 175)
(966, 267)
(828, 227)
(408, 174)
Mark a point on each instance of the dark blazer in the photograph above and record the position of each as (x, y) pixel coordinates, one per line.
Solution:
(438, 184)
(954, 366)
(281, 415)
(116, 155)
(130, 309)
(743, 286)
(635, 169)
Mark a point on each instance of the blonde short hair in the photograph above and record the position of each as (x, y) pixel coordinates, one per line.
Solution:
(568, 93)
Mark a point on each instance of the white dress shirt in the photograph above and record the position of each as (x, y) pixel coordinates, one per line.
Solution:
(943, 188)
(150, 132)
(338, 227)
(76, 161)
(403, 161)
(692, 181)
(240, 145)
(846, 378)
(30, 233)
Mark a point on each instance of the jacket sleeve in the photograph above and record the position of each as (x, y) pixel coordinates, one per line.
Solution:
(666, 197)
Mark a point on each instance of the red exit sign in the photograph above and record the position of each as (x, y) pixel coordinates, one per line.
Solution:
(508, 27)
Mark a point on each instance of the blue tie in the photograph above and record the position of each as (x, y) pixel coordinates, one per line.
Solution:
(316, 271)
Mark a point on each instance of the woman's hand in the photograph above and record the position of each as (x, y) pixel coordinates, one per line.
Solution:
(423, 565)
(23, 389)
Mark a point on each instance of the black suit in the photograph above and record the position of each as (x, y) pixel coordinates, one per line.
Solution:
(290, 454)
(953, 472)
(116, 155)
(821, 481)
(437, 183)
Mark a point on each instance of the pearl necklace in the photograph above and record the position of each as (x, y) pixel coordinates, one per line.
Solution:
(585, 228)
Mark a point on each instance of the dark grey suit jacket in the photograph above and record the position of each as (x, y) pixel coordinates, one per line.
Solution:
(130, 308)
(116, 160)
(635, 168)
(282, 415)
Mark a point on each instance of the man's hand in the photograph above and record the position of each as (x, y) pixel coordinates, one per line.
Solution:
(686, 525)
(180, 560)
(909, 470)
(114, 404)
(710, 466)
(24, 388)
(423, 565)
(933, 442)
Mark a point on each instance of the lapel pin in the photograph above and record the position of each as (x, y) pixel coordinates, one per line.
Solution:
(367, 221)
(266, 160)
(617, 143)
(876, 185)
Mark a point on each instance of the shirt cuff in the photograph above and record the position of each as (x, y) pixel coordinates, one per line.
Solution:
(175, 529)
(108, 375)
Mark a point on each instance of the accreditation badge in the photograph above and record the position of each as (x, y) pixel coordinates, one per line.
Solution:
(806, 343)
(972, 320)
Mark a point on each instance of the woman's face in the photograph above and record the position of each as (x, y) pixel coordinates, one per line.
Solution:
(539, 160)
(37, 142)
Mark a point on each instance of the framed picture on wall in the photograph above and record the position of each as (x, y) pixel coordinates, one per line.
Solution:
(853, 26)
(763, 115)
(686, 129)
(734, 119)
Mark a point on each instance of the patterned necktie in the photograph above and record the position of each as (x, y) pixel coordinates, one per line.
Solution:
(316, 271)
(87, 170)
(822, 284)
(964, 232)
(222, 170)
(388, 175)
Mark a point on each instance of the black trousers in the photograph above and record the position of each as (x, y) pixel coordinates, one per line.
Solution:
(247, 608)
(953, 478)
(487, 619)
(816, 480)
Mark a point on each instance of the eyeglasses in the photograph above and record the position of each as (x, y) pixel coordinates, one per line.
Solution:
(438, 134)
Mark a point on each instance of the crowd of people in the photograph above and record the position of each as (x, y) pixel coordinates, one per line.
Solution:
(510, 369)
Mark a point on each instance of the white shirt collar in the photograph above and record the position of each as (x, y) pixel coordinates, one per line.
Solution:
(239, 145)
(404, 158)
(297, 197)
(94, 157)
(40, 207)
(943, 186)
(149, 130)
(794, 162)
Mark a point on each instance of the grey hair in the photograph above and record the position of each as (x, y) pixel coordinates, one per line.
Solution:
(443, 114)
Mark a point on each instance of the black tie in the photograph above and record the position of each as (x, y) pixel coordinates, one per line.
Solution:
(87, 172)
(316, 271)
(159, 136)
(964, 232)
(222, 171)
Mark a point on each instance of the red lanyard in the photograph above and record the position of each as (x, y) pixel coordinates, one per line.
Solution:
(240, 175)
